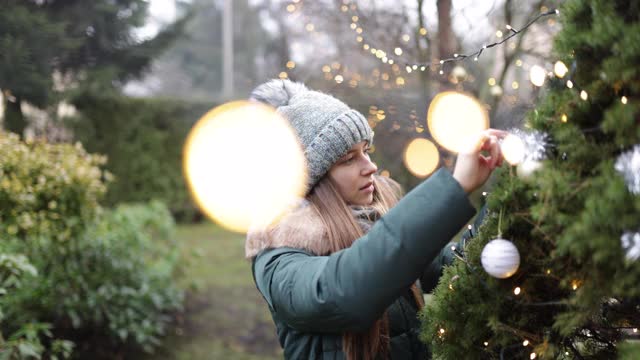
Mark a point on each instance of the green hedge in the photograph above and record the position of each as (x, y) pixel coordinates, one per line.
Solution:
(70, 269)
(143, 140)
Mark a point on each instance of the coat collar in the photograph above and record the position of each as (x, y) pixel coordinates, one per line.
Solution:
(302, 228)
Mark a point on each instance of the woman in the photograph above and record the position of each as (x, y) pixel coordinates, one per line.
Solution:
(340, 272)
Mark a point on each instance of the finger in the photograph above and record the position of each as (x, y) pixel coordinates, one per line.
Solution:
(484, 160)
(500, 134)
(495, 151)
(488, 144)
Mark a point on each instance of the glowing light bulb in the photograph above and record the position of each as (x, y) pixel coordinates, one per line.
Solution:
(537, 75)
(624, 100)
(455, 117)
(560, 69)
(513, 149)
(517, 290)
(398, 51)
(525, 343)
(584, 95)
(223, 186)
(421, 157)
(570, 84)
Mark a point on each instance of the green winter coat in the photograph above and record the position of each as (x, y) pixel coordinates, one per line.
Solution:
(314, 299)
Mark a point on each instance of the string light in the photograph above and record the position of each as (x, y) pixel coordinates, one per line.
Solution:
(584, 95)
(564, 120)
(517, 290)
(525, 343)
(423, 32)
(570, 84)
(533, 356)
(537, 75)
(560, 69)
(486, 343)
(624, 100)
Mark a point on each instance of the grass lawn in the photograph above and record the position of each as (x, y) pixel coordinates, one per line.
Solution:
(225, 316)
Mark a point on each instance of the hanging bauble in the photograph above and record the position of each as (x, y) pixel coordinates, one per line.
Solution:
(527, 167)
(631, 245)
(628, 165)
(500, 258)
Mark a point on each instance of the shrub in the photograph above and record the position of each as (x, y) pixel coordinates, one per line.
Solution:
(143, 141)
(105, 276)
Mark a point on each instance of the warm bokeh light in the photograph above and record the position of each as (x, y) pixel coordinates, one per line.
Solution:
(421, 157)
(560, 69)
(243, 165)
(513, 149)
(537, 75)
(454, 117)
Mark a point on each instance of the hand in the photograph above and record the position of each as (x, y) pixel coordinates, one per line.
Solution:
(472, 168)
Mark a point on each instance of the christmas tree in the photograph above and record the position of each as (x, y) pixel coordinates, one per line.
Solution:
(571, 207)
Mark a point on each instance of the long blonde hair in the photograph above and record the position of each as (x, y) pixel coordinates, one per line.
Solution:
(342, 230)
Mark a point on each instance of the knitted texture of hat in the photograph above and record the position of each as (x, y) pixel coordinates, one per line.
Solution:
(326, 127)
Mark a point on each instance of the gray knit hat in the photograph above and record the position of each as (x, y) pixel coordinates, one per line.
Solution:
(326, 127)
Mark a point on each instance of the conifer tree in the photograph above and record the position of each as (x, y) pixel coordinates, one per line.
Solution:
(88, 42)
(575, 221)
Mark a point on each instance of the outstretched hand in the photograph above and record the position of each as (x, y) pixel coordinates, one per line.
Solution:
(472, 167)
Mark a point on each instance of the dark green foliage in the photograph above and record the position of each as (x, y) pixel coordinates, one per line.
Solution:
(78, 41)
(143, 140)
(579, 296)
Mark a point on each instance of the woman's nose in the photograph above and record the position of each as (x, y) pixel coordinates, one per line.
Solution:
(369, 168)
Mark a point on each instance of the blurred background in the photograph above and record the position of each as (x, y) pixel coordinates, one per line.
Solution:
(102, 250)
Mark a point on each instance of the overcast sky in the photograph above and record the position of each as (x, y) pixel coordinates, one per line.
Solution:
(468, 15)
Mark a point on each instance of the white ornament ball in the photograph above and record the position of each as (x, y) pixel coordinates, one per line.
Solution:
(500, 258)
(527, 167)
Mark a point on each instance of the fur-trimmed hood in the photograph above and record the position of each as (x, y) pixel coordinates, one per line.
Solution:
(302, 228)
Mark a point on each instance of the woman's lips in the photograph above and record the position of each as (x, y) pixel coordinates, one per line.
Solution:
(368, 188)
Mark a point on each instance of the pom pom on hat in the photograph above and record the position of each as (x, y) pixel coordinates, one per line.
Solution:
(277, 92)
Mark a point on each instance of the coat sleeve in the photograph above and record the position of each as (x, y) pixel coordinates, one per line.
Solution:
(349, 289)
(433, 271)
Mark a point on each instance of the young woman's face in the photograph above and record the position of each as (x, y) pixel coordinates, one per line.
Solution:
(353, 175)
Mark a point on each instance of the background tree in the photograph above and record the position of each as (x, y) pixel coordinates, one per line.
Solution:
(91, 43)
(574, 220)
